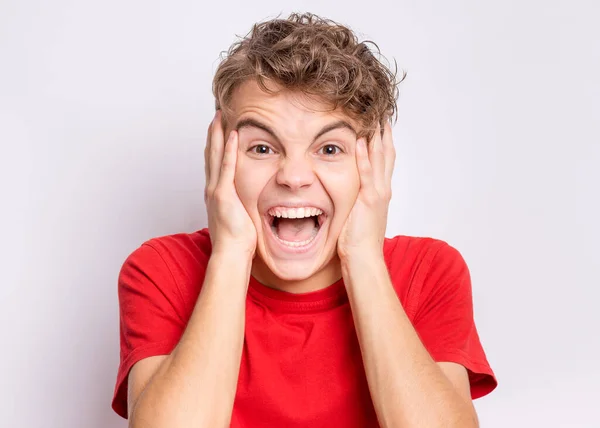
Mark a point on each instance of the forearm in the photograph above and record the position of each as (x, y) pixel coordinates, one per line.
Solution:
(195, 386)
(407, 387)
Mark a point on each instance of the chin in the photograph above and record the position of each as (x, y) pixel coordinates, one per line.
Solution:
(290, 266)
(292, 271)
(296, 240)
(293, 264)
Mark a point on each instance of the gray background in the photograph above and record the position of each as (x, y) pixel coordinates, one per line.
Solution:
(103, 111)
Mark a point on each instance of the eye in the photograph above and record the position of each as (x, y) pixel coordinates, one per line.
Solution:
(330, 150)
(261, 149)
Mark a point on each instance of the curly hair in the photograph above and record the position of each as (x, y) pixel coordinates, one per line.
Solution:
(317, 57)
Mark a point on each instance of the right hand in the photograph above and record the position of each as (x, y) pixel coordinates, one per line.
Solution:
(230, 226)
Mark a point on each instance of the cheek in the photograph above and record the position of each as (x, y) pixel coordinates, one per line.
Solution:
(341, 182)
(246, 183)
(250, 181)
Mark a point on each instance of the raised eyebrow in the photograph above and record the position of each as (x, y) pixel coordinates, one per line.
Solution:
(336, 125)
(253, 123)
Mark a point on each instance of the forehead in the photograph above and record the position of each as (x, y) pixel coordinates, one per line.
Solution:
(284, 108)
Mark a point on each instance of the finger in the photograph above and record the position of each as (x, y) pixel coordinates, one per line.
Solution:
(206, 154)
(215, 151)
(389, 152)
(377, 158)
(229, 161)
(365, 169)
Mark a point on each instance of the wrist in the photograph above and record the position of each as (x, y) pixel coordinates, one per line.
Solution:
(232, 256)
(361, 258)
(230, 267)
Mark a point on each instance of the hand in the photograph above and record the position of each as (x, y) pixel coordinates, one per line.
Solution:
(230, 226)
(364, 231)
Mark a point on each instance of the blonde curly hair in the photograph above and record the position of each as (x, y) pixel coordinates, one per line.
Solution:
(317, 57)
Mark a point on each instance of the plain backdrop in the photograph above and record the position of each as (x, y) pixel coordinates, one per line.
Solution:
(103, 114)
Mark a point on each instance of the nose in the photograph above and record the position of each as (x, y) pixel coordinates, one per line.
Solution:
(295, 173)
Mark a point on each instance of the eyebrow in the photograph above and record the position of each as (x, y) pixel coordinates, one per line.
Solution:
(253, 123)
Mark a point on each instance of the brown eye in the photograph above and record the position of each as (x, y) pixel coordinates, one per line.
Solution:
(260, 149)
(330, 150)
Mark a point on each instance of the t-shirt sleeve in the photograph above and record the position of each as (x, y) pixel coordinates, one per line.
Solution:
(444, 319)
(149, 309)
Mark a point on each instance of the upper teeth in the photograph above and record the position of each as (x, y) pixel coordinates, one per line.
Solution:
(295, 212)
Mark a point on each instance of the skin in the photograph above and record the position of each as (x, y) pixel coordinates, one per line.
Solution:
(195, 385)
(293, 166)
(408, 388)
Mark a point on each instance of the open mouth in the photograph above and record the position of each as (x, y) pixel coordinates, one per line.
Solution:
(296, 227)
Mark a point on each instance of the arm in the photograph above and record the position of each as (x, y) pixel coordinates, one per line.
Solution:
(407, 387)
(195, 385)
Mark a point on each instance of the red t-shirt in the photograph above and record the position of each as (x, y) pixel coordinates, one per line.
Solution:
(301, 364)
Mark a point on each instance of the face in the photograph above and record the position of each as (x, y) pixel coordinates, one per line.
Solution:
(297, 177)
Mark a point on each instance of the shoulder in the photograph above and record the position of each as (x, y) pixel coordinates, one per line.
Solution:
(414, 264)
(183, 248)
(173, 263)
(417, 254)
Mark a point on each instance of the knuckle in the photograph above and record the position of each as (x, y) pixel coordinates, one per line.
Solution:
(209, 191)
(228, 162)
(220, 196)
(371, 198)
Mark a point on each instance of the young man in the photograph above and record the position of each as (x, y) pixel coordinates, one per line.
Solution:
(295, 310)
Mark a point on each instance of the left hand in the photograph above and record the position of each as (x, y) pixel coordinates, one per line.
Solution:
(364, 231)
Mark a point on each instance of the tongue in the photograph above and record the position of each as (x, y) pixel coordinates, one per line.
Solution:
(295, 229)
